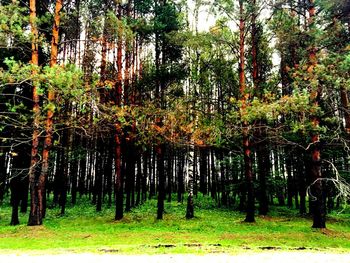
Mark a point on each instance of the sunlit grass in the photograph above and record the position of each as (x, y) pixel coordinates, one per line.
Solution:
(213, 230)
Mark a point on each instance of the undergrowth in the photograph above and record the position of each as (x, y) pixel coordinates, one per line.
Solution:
(213, 230)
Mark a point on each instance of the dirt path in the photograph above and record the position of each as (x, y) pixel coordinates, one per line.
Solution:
(279, 257)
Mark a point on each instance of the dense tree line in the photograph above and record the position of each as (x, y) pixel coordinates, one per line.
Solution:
(123, 101)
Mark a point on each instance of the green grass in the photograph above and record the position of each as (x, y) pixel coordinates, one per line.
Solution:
(213, 230)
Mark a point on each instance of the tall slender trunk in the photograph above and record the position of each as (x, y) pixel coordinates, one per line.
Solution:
(51, 97)
(290, 182)
(318, 205)
(170, 159)
(82, 168)
(119, 85)
(145, 163)
(3, 174)
(15, 199)
(119, 196)
(180, 175)
(195, 171)
(138, 182)
(264, 168)
(103, 76)
(161, 180)
(127, 62)
(74, 172)
(159, 96)
(130, 174)
(203, 170)
(36, 187)
(67, 140)
(345, 105)
(152, 173)
(246, 142)
(262, 148)
(190, 204)
(108, 171)
(301, 183)
(213, 189)
(101, 159)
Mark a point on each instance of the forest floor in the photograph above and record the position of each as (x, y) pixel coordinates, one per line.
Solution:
(266, 257)
(214, 231)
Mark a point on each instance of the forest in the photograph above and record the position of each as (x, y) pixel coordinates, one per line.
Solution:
(118, 102)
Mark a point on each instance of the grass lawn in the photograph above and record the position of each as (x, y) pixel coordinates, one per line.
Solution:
(213, 230)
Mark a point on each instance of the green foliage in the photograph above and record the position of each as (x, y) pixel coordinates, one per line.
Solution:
(66, 81)
(15, 72)
(13, 22)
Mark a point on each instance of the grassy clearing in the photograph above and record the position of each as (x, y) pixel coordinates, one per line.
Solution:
(212, 231)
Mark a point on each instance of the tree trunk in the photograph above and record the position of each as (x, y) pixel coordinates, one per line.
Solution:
(51, 97)
(130, 175)
(180, 175)
(170, 159)
(138, 182)
(152, 173)
(203, 170)
(36, 185)
(119, 86)
(161, 180)
(213, 189)
(108, 172)
(15, 188)
(264, 168)
(190, 203)
(99, 168)
(119, 195)
(67, 141)
(345, 105)
(3, 174)
(82, 168)
(246, 142)
(146, 159)
(319, 209)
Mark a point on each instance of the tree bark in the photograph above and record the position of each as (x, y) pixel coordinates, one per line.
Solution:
(246, 142)
(190, 203)
(119, 83)
(161, 180)
(119, 195)
(345, 105)
(36, 185)
(51, 97)
(203, 170)
(319, 209)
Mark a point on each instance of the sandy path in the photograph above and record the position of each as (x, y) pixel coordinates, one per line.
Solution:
(280, 257)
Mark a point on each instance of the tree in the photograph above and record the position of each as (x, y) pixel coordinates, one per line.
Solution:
(248, 170)
(50, 106)
(36, 186)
